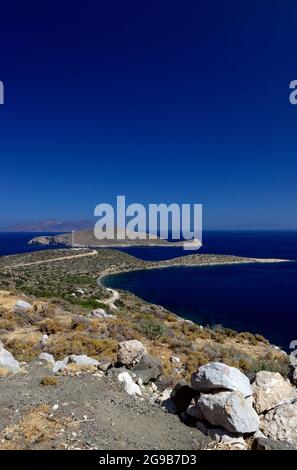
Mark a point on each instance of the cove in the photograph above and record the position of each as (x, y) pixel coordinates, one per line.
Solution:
(255, 298)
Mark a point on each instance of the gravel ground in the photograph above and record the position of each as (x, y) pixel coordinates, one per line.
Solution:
(95, 414)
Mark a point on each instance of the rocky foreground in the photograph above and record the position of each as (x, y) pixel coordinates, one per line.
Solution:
(80, 402)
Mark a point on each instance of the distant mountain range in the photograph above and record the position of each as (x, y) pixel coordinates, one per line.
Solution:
(50, 225)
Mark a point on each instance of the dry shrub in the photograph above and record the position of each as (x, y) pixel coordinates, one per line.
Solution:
(122, 330)
(34, 429)
(61, 345)
(195, 360)
(75, 369)
(23, 344)
(52, 326)
(49, 380)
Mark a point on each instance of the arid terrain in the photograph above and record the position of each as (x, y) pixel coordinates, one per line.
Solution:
(66, 401)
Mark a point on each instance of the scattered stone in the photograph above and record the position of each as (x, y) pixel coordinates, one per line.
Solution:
(83, 360)
(154, 386)
(175, 360)
(216, 376)
(270, 390)
(43, 340)
(21, 306)
(47, 357)
(59, 366)
(129, 386)
(148, 368)
(55, 407)
(165, 400)
(163, 382)
(116, 371)
(7, 361)
(130, 352)
(101, 313)
(280, 424)
(221, 436)
(262, 443)
(229, 410)
(104, 365)
(165, 395)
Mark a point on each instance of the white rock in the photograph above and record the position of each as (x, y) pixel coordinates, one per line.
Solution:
(83, 360)
(140, 381)
(229, 410)
(21, 306)
(59, 366)
(43, 340)
(175, 360)
(55, 407)
(129, 386)
(101, 313)
(47, 357)
(7, 361)
(130, 352)
(280, 424)
(216, 376)
(270, 389)
(165, 395)
(154, 386)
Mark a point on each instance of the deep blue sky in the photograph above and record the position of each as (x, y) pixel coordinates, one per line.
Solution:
(164, 101)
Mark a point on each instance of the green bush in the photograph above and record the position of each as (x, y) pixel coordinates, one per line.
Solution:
(151, 329)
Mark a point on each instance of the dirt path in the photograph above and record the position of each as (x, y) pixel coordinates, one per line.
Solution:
(80, 255)
(114, 296)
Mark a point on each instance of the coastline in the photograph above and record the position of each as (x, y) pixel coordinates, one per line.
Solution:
(107, 273)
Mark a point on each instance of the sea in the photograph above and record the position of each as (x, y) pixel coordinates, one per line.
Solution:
(259, 298)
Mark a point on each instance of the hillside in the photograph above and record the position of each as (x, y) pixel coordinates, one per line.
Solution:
(85, 367)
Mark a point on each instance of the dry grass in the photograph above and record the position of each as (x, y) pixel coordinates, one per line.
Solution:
(5, 372)
(35, 429)
(49, 380)
(75, 369)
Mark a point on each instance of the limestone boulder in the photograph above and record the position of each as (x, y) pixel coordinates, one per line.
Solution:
(280, 423)
(270, 389)
(130, 352)
(7, 361)
(219, 376)
(229, 410)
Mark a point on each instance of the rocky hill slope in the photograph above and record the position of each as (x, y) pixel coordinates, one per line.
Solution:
(79, 364)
